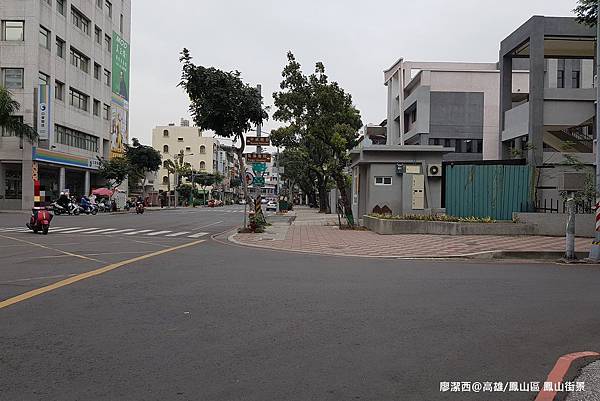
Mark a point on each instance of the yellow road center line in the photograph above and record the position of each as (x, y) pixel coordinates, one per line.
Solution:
(52, 249)
(90, 274)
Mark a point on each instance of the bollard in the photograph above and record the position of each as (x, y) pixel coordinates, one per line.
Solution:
(570, 254)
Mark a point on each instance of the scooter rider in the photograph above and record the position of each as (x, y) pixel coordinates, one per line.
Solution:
(85, 203)
(63, 201)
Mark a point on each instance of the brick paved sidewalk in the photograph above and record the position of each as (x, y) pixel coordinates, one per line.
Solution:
(332, 241)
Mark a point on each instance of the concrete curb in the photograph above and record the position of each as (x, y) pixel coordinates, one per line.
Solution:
(566, 369)
(485, 255)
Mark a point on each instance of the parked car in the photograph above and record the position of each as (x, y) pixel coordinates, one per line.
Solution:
(271, 206)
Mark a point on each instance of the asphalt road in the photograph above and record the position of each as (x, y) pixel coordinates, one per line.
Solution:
(214, 321)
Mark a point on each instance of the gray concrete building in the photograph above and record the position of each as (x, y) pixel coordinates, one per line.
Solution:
(448, 104)
(67, 63)
(551, 121)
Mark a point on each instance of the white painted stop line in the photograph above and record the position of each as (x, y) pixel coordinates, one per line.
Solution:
(78, 231)
(178, 234)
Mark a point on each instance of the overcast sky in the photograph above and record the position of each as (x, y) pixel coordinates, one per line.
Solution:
(355, 39)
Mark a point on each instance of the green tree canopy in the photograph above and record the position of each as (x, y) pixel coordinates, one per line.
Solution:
(11, 123)
(142, 159)
(322, 121)
(587, 12)
(222, 102)
(114, 171)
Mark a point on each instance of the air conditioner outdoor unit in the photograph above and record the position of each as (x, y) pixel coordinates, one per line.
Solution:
(434, 170)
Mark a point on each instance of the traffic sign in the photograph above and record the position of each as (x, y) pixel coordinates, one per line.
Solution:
(258, 141)
(249, 177)
(259, 167)
(258, 157)
(259, 181)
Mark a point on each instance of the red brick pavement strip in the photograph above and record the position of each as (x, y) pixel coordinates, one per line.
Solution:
(332, 241)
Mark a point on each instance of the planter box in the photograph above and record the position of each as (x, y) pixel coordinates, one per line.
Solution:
(390, 227)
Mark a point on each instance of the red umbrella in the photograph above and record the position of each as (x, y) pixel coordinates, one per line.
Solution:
(102, 192)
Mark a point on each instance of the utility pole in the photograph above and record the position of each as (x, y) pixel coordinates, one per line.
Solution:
(595, 251)
(278, 175)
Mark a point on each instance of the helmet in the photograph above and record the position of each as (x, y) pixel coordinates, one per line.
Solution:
(62, 193)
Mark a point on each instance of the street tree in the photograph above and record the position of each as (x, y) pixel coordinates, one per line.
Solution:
(204, 179)
(587, 12)
(321, 119)
(11, 123)
(142, 160)
(114, 171)
(297, 172)
(178, 168)
(222, 102)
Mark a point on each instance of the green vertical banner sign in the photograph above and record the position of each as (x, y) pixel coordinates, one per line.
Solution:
(120, 99)
(120, 66)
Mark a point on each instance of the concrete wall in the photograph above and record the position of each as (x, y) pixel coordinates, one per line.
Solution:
(555, 224)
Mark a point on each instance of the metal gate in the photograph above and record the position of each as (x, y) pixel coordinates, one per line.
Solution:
(488, 190)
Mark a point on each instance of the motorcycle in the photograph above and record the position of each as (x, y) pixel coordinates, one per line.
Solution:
(139, 208)
(58, 209)
(104, 206)
(40, 220)
(73, 209)
(92, 209)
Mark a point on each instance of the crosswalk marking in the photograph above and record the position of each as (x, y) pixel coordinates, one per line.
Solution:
(158, 233)
(197, 235)
(103, 231)
(178, 234)
(138, 232)
(79, 230)
(121, 231)
(57, 230)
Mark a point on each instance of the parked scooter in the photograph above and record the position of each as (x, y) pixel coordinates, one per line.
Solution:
(87, 207)
(74, 208)
(58, 209)
(40, 220)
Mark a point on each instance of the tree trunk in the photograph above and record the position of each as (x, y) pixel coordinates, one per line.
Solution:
(340, 181)
(322, 187)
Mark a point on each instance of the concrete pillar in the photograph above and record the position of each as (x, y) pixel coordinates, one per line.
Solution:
(61, 179)
(536, 96)
(86, 187)
(506, 66)
(27, 185)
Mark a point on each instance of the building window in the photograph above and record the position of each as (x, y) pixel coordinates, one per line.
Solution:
(121, 23)
(166, 149)
(179, 139)
(80, 20)
(13, 31)
(13, 183)
(202, 165)
(97, 68)
(165, 180)
(188, 149)
(97, 107)
(108, 8)
(12, 78)
(78, 99)
(166, 133)
(106, 112)
(383, 180)
(576, 79)
(108, 43)
(99, 3)
(59, 92)
(44, 38)
(60, 47)
(44, 79)
(60, 6)
(76, 139)
(202, 149)
(560, 79)
(107, 80)
(80, 61)
(98, 35)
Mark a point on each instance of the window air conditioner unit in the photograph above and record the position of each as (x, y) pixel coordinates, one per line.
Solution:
(434, 170)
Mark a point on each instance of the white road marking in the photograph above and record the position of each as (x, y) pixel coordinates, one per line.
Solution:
(209, 225)
(138, 232)
(178, 234)
(102, 231)
(121, 231)
(63, 229)
(157, 233)
(197, 235)
(83, 230)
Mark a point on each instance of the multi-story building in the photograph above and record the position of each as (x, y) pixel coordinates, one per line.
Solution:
(67, 63)
(454, 105)
(199, 148)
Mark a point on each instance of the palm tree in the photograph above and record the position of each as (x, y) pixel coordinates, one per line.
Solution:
(11, 123)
